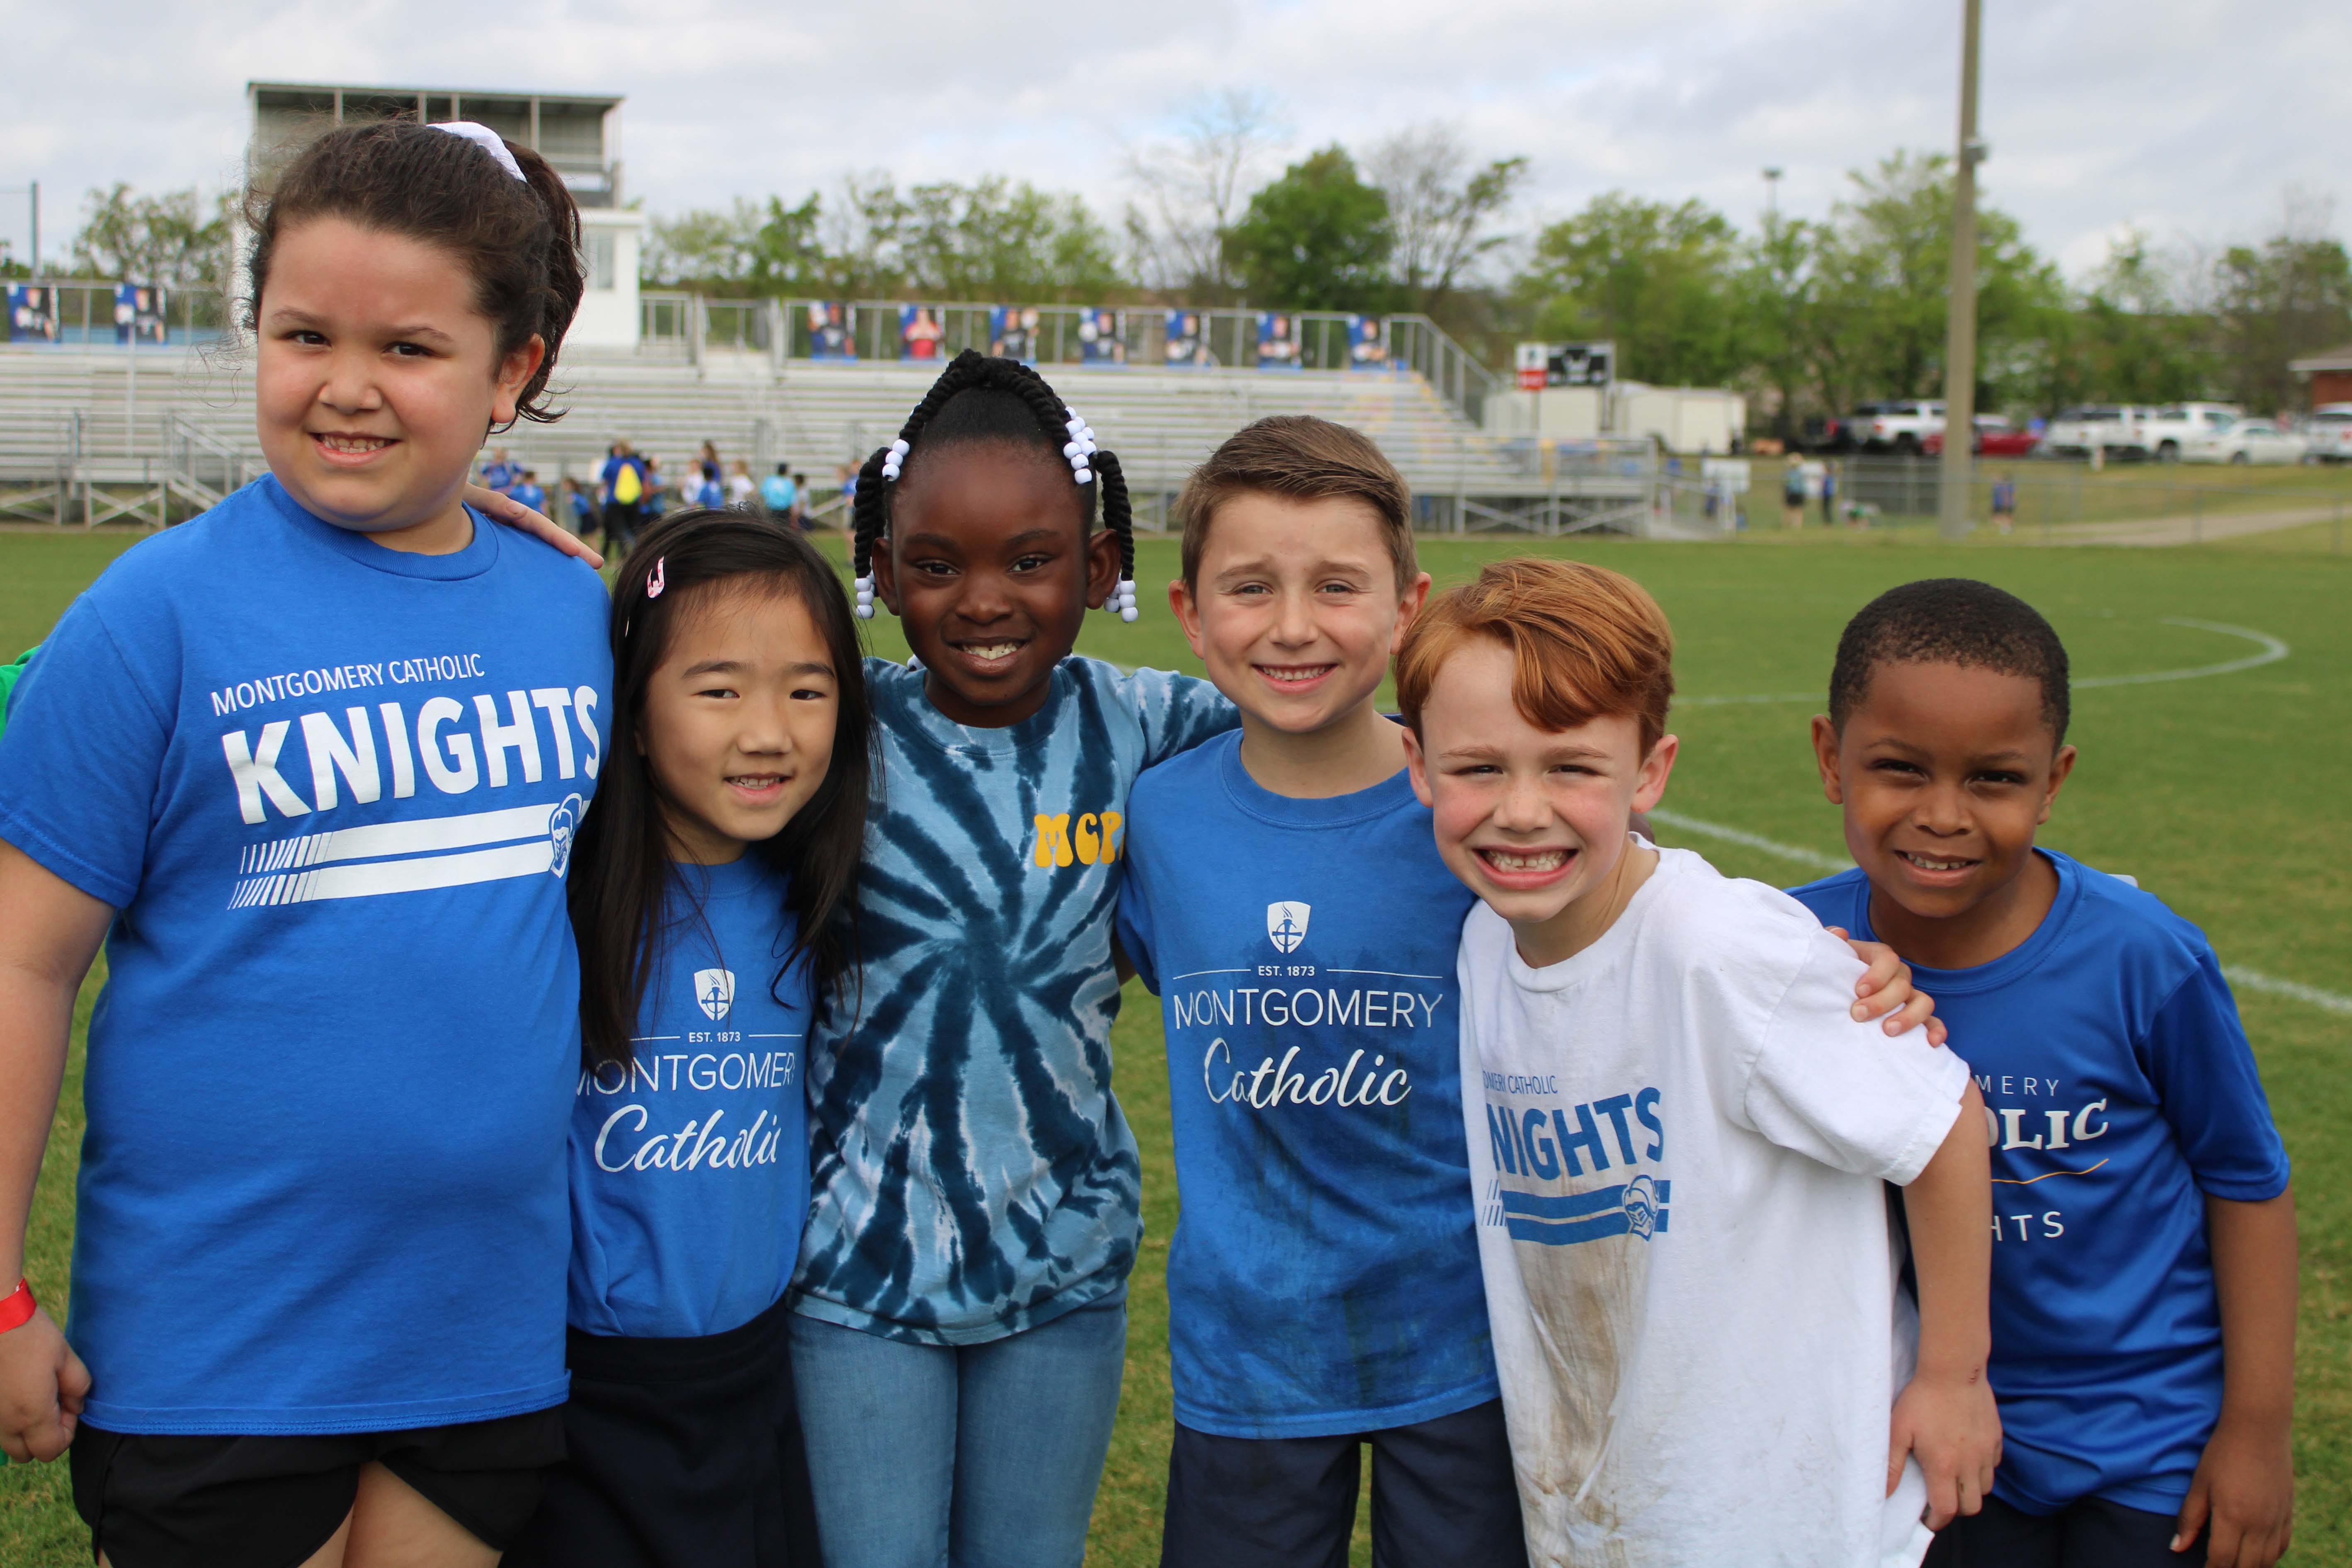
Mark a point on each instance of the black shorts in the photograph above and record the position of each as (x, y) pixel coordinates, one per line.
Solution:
(1442, 1497)
(681, 1452)
(271, 1501)
(2091, 1533)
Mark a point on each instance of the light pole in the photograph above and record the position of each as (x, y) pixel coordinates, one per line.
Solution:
(1961, 336)
(1772, 195)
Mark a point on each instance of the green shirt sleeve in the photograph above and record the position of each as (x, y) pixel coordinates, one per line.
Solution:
(8, 674)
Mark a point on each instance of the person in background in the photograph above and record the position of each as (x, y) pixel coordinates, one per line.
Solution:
(1829, 495)
(500, 472)
(526, 490)
(741, 491)
(800, 517)
(2004, 504)
(778, 494)
(1793, 493)
(657, 489)
(707, 462)
(628, 481)
(579, 506)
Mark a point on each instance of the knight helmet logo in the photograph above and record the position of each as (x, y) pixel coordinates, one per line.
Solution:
(1286, 925)
(562, 827)
(714, 989)
(1642, 1207)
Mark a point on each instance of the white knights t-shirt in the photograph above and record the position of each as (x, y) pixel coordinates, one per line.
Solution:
(1678, 1139)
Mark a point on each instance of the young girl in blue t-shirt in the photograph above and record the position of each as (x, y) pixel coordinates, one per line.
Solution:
(724, 839)
(959, 1323)
(311, 765)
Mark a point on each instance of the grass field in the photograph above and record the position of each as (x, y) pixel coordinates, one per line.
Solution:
(2223, 794)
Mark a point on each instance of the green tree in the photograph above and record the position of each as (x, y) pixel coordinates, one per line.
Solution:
(2290, 296)
(177, 239)
(1318, 238)
(1655, 276)
(1774, 299)
(1884, 280)
(996, 240)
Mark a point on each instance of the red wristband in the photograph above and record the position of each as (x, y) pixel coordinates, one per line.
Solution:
(17, 1306)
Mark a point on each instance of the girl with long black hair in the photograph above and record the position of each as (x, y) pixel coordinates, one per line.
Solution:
(723, 842)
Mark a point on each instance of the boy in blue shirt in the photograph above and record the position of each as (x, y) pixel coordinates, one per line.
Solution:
(1284, 898)
(528, 491)
(2144, 1271)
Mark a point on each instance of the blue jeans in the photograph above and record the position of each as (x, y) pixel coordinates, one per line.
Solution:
(964, 1456)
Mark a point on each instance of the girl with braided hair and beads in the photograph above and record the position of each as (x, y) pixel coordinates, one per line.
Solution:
(960, 1318)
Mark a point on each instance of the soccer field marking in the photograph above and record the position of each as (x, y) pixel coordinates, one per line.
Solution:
(1795, 854)
(2274, 649)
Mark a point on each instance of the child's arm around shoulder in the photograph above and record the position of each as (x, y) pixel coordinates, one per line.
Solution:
(1177, 711)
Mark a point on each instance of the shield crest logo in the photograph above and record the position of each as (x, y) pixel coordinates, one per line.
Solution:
(1286, 925)
(714, 991)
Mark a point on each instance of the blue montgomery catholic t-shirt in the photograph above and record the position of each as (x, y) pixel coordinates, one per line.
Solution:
(1324, 1277)
(973, 1174)
(2118, 1091)
(332, 788)
(689, 1165)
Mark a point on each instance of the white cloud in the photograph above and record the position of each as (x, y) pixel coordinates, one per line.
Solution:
(2187, 116)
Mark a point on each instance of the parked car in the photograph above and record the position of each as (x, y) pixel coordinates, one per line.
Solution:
(2165, 433)
(1995, 437)
(2328, 433)
(2110, 429)
(1901, 428)
(2247, 441)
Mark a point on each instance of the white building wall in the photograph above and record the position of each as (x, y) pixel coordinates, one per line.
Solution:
(612, 238)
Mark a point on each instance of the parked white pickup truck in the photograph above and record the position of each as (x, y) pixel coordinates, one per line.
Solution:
(2328, 433)
(1901, 428)
(2110, 429)
(2167, 434)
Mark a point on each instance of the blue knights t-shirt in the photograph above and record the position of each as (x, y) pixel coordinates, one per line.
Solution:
(690, 1164)
(331, 789)
(2119, 1092)
(973, 1174)
(1324, 1277)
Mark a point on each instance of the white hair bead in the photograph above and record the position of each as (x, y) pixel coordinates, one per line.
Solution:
(864, 612)
(1084, 476)
(1072, 448)
(1127, 611)
(899, 448)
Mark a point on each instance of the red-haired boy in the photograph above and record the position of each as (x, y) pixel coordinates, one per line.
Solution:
(1679, 1134)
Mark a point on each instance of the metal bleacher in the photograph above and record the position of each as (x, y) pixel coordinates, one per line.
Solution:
(91, 435)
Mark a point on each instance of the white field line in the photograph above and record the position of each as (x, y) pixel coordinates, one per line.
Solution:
(2237, 974)
(2272, 651)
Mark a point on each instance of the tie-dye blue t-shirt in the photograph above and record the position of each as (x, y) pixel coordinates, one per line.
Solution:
(974, 1175)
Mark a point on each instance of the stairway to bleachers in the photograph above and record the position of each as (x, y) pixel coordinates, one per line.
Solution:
(119, 421)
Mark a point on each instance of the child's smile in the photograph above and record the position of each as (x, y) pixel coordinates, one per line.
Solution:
(991, 568)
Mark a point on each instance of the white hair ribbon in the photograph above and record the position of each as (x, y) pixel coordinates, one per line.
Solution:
(488, 140)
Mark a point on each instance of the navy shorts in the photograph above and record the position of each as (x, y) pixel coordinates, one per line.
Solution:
(1442, 1497)
(2091, 1533)
(681, 1453)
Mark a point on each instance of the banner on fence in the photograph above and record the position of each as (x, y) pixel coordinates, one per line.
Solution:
(32, 313)
(1100, 342)
(1278, 341)
(828, 324)
(1367, 343)
(1012, 333)
(137, 313)
(1185, 349)
(920, 332)
(1565, 365)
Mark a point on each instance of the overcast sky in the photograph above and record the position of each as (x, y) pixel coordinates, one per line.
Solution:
(2189, 117)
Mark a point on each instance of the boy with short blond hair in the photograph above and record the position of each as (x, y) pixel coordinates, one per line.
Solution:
(1283, 896)
(1680, 1133)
